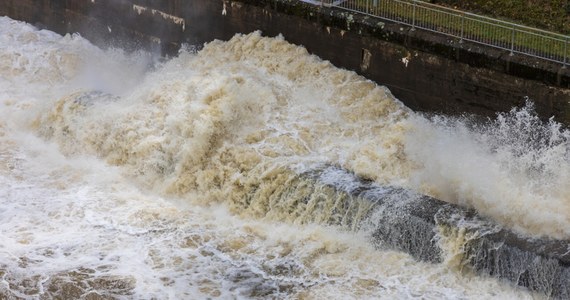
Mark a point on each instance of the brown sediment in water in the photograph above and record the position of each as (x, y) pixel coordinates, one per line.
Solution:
(217, 125)
(243, 129)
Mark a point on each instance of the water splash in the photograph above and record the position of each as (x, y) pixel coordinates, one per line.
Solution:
(515, 169)
(138, 202)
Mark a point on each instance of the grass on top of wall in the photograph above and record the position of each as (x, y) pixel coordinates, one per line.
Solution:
(552, 15)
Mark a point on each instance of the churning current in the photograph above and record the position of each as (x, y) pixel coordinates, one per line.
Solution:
(122, 176)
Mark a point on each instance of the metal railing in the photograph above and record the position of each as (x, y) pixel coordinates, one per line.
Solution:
(463, 26)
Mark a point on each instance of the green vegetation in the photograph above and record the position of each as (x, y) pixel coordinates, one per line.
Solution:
(553, 15)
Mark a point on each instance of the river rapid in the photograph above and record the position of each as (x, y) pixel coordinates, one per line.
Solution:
(123, 176)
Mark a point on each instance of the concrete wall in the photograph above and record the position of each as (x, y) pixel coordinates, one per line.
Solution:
(441, 75)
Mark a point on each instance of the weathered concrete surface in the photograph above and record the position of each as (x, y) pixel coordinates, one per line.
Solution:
(427, 72)
(441, 75)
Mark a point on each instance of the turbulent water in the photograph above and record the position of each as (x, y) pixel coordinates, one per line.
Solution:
(122, 176)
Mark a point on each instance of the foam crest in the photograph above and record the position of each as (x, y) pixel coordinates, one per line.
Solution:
(235, 110)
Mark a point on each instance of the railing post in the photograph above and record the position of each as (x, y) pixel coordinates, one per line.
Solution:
(462, 27)
(414, 16)
(565, 53)
(513, 39)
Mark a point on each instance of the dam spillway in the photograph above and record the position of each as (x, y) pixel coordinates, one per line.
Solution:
(421, 226)
(306, 114)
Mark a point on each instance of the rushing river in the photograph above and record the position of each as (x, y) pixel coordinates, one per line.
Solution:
(124, 176)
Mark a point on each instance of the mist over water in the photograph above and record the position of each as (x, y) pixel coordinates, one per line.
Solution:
(128, 177)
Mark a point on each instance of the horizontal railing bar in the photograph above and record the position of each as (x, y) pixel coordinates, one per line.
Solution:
(465, 26)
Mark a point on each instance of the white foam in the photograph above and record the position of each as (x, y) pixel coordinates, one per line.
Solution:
(100, 200)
